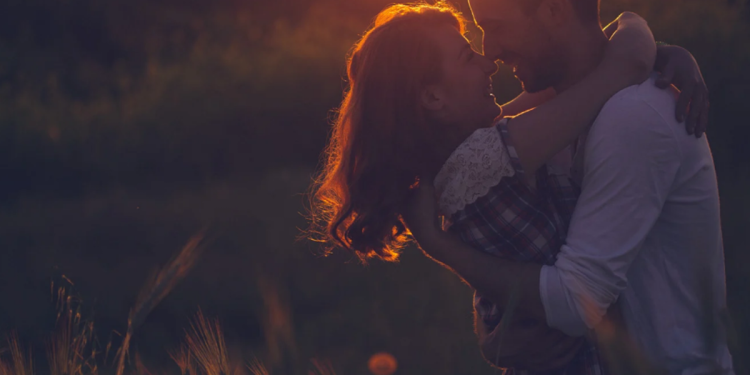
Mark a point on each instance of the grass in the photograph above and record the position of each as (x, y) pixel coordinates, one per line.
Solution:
(342, 312)
(73, 348)
(335, 309)
(156, 289)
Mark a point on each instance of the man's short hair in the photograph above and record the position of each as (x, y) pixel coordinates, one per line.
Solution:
(587, 10)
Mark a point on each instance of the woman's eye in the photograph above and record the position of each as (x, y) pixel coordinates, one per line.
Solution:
(493, 27)
(471, 55)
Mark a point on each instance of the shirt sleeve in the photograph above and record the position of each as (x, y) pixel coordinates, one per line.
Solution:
(631, 160)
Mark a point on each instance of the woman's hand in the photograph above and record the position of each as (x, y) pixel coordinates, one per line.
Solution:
(678, 67)
(631, 50)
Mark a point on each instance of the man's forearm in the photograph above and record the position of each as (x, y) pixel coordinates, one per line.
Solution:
(498, 279)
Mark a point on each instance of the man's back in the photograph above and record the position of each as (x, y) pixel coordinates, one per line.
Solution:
(679, 276)
(647, 229)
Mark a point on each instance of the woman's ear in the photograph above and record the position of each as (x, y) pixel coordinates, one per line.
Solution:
(432, 98)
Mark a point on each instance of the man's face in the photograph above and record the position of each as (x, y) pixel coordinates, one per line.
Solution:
(520, 40)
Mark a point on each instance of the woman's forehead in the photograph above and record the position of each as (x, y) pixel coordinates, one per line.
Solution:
(450, 38)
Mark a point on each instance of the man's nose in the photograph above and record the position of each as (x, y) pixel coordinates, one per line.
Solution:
(491, 48)
(489, 65)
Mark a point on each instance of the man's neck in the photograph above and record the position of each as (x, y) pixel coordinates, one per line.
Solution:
(585, 52)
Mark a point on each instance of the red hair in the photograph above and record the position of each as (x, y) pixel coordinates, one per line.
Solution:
(381, 136)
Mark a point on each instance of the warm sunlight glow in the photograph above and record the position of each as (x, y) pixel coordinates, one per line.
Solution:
(382, 364)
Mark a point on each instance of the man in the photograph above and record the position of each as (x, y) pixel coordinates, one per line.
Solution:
(645, 232)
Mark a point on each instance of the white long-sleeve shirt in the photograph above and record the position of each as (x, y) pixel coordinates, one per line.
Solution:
(647, 230)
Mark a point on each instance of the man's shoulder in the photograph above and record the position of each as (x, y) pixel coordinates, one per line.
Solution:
(643, 106)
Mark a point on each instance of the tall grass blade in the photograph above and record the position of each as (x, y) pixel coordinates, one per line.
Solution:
(206, 343)
(278, 329)
(321, 367)
(256, 367)
(157, 288)
(18, 358)
(5, 368)
(140, 368)
(183, 359)
(73, 337)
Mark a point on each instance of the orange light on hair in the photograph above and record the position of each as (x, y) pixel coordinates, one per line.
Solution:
(380, 141)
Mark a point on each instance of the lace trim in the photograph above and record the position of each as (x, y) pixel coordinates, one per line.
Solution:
(478, 164)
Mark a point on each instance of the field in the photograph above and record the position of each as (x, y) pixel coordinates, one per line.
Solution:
(128, 127)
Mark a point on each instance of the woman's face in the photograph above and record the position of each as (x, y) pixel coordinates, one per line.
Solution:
(463, 97)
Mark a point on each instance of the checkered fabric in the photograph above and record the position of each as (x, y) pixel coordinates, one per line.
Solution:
(523, 223)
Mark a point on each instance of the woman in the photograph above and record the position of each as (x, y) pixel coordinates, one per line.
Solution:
(420, 103)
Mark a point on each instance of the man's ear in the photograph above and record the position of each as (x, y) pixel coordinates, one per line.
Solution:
(432, 98)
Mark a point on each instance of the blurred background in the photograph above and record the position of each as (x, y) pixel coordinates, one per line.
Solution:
(127, 126)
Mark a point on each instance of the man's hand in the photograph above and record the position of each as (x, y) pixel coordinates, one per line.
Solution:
(526, 346)
(678, 67)
(527, 342)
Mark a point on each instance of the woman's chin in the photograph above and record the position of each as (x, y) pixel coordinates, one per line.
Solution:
(495, 111)
(496, 107)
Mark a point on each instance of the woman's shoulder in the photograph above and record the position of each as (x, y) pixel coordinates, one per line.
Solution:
(478, 164)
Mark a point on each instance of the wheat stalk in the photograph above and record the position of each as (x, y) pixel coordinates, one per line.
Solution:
(18, 359)
(321, 367)
(157, 288)
(184, 360)
(255, 367)
(65, 350)
(206, 343)
(140, 368)
(5, 368)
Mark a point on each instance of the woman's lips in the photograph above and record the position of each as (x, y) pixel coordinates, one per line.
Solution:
(489, 91)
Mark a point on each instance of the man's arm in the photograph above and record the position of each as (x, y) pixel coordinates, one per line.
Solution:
(631, 159)
(496, 278)
(522, 339)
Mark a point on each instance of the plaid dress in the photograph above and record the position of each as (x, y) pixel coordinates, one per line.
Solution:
(487, 203)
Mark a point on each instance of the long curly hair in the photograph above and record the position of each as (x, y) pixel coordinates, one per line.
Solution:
(380, 140)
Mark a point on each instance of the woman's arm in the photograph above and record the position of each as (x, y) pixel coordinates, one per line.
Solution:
(676, 66)
(527, 101)
(629, 57)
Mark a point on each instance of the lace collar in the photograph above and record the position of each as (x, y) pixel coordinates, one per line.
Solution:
(478, 164)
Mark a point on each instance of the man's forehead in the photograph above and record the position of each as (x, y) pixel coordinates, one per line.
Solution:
(484, 11)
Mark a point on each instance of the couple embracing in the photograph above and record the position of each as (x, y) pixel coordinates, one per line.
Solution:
(584, 213)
